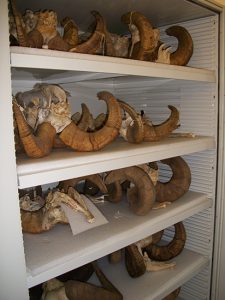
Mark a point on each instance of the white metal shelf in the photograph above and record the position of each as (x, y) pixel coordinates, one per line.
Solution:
(22, 57)
(58, 251)
(153, 285)
(64, 164)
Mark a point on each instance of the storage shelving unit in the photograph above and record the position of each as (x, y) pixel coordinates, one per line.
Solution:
(57, 251)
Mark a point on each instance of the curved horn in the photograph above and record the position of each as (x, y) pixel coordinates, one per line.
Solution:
(87, 291)
(135, 131)
(70, 35)
(185, 45)
(79, 140)
(97, 39)
(179, 183)
(134, 261)
(157, 132)
(86, 120)
(149, 37)
(166, 252)
(38, 145)
(24, 40)
(115, 192)
(142, 200)
(95, 179)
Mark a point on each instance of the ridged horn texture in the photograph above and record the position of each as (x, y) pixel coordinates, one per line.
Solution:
(173, 295)
(80, 140)
(86, 120)
(156, 132)
(141, 198)
(134, 261)
(179, 183)
(115, 192)
(37, 145)
(174, 248)
(185, 45)
(32, 221)
(86, 291)
(96, 179)
(135, 132)
(96, 42)
(70, 35)
(147, 34)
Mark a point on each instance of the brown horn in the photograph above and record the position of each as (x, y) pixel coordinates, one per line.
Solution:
(97, 39)
(86, 120)
(115, 192)
(96, 179)
(87, 291)
(179, 183)
(173, 295)
(134, 261)
(148, 36)
(70, 35)
(79, 140)
(135, 132)
(156, 132)
(185, 45)
(38, 145)
(142, 200)
(174, 248)
(32, 221)
(25, 40)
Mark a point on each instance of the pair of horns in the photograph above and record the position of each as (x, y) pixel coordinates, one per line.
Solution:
(142, 196)
(40, 144)
(141, 130)
(149, 40)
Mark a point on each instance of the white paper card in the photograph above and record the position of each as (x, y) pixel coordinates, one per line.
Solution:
(77, 220)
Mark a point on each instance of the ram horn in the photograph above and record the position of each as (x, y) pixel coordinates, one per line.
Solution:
(174, 248)
(37, 145)
(135, 131)
(96, 42)
(87, 291)
(115, 192)
(134, 261)
(179, 183)
(142, 200)
(149, 37)
(96, 179)
(86, 120)
(70, 35)
(23, 39)
(156, 132)
(80, 140)
(185, 45)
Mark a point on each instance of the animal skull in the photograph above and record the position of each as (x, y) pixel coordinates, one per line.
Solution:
(45, 103)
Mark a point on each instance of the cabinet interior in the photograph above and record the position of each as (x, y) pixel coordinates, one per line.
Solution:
(197, 100)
